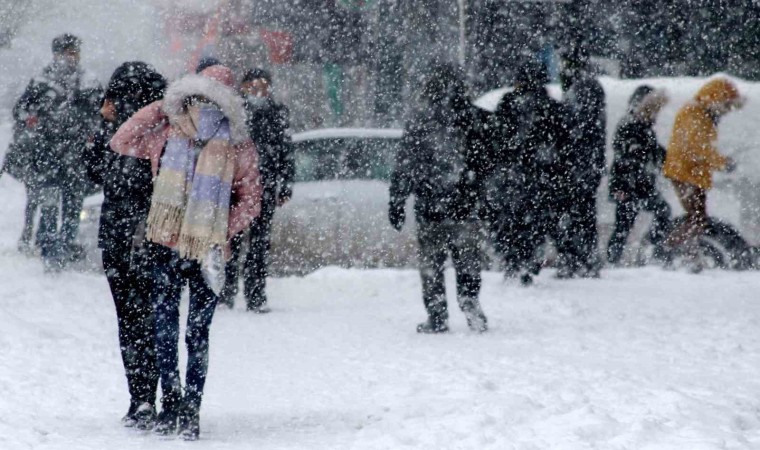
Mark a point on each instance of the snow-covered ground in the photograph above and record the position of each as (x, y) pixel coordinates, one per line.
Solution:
(641, 359)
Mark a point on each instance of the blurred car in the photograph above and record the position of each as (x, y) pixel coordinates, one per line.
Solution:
(339, 211)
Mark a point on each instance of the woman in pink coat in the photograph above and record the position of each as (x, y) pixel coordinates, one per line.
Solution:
(206, 190)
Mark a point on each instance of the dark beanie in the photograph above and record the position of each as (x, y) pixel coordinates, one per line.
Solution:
(257, 74)
(66, 42)
(134, 85)
(638, 95)
(206, 62)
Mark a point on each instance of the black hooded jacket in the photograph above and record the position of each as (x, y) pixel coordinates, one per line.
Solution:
(638, 159)
(443, 160)
(127, 182)
(532, 136)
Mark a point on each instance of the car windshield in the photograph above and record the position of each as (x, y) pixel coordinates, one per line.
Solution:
(345, 159)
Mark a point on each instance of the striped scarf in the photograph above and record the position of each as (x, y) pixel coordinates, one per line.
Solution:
(191, 196)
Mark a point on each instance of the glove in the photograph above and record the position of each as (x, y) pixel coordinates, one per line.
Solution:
(397, 215)
(730, 165)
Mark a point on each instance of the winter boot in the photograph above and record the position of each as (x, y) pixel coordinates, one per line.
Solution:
(526, 279)
(259, 306)
(129, 420)
(166, 422)
(476, 319)
(189, 423)
(145, 416)
(434, 325)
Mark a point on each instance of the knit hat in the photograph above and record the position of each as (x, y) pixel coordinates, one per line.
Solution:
(66, 42)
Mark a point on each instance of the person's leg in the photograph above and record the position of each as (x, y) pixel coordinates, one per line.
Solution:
(72, 200)
(625, 216)
(168, 281)
(48, 227)
(144, 324)
(231, 270)
(32, 203)
(201, 312)
(588, 242)
(116, 268)
(661, 223)
(465, 251)
(432, 240)
(257, 262)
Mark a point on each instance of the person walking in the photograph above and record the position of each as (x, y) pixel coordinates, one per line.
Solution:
(633, 179)
(532, 134)
(127, 186)
(61, 107)
(206, 190)
(268, 122)
(437, 165)
(691, 159)
(584, 166)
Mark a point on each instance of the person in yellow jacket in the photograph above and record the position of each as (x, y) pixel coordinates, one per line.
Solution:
(692, 157)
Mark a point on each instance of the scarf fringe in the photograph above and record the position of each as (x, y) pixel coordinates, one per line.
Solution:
(195, 247)
(164, 222)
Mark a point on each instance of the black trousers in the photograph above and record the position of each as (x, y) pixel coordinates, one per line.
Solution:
(436, 240)
(256, 265)
(625, 216)
(579, 236)
(129, 278)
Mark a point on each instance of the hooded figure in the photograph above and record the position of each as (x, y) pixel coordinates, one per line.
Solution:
(438, 163)
(531, 135)
(692, 157)
(584, 165)
(206, 190)
(633, 180)
(127, 186)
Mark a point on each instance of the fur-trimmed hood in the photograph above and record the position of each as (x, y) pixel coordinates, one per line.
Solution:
(223, 96)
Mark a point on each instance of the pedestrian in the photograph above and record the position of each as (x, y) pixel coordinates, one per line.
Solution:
(584, 166)
(532, 134)
(206, 190)
(127, 186)
(61, 108)
(268, 122)
(633, 180)
(437, 166)
(691, 159)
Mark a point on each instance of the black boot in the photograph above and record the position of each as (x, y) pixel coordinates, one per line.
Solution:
(129, 419)
(145, 416)
(189, 421)
(476, 319)
(166, 422)
(434, 325)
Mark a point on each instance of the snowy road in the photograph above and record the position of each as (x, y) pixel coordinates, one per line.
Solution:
(642, 359)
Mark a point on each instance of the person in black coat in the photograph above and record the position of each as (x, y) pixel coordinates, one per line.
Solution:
(584, 165)
(268, 122)
(532, 135)
(440, 162)
(633, 181)
(127, 187)
(59, 109)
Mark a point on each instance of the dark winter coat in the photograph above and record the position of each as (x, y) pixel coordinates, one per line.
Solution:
(267, 123)
(638, 159)
(532, 136)
(442, 161)
(65, 103)
(127, 181)
(587, 118)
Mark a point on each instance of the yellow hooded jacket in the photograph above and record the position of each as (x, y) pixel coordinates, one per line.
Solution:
(692, 156)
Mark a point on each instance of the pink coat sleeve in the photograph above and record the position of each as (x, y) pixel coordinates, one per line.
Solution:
(246, 190)
(143, 135)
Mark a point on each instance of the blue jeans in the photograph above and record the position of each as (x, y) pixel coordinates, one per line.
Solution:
(170, 274)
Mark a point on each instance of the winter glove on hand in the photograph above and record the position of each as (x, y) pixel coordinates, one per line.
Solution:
(730, 165)
(397, 215)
